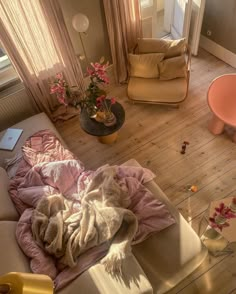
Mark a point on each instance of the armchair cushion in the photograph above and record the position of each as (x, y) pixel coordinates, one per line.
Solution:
(176, 48)
(172, 68)
(157, 91)
(171, 48)
(145, 65)
(148, 45)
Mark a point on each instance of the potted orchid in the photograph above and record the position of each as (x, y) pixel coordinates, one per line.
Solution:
(60, 88)
(97, 73)
(95, 99)
(65, 95)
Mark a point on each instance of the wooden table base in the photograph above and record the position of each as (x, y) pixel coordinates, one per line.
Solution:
(109, 139)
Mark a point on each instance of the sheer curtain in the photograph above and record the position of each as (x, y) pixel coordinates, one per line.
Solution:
(35, 37)
(124, 27)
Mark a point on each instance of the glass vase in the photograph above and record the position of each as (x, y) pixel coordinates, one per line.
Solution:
(92, 111)
(110, 119)
(220, 219)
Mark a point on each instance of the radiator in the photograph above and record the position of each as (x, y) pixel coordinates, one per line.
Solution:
(15, 107)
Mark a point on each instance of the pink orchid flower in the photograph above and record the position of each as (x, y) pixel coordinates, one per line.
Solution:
(113, 100)
(59, 88)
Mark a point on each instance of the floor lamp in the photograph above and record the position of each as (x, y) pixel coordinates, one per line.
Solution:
(80, 23)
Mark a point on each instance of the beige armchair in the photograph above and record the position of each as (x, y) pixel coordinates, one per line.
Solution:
(159, 71)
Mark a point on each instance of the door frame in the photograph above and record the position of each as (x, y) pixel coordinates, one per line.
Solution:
(195, 40)
(168, 14)
(168, 19)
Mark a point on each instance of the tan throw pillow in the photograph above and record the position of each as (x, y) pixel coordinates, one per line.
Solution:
(175, 48)
(147, 45)
(145, 65)
(173, 68)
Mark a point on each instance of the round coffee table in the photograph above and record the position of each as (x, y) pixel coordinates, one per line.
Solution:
(106, 135)
(222, 102)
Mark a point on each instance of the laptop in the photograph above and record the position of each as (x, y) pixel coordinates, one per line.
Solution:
(10, 138)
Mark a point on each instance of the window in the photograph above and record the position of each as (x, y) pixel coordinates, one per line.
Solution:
(4, 60)
(8, 75)
(146, 3)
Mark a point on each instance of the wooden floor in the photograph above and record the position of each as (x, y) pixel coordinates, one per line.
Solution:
(153, 135)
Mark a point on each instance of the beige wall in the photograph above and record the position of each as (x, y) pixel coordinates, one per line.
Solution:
(220, 19)
(96, 41)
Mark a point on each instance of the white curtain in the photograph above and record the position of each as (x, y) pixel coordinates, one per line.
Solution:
(35, 37)
(124, 28)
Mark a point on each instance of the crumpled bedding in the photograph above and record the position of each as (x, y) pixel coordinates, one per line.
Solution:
(56, 171)
(66, 231)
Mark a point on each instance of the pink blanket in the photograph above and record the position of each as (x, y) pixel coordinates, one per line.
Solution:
(54, 169)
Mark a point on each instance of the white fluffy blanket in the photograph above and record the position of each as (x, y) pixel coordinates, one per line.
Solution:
(67, 232)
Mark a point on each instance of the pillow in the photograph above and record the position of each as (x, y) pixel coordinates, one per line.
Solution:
(175, 48)
(173, 68)
(171, 48)
(147, 45)
(145, 65)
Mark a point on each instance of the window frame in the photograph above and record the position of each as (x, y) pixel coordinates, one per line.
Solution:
(8, 75)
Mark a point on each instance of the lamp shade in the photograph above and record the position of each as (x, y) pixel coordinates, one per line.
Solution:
(80, 22)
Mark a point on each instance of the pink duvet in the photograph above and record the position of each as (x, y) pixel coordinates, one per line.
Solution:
(56, 170)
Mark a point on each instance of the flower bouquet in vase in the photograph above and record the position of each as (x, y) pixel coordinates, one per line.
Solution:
(220, 218)
(104, 105)
(97, 73)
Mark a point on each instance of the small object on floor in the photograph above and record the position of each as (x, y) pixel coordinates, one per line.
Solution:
(184, 146)
(192, 188)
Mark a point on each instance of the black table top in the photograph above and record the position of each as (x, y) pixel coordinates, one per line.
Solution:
(92, 127)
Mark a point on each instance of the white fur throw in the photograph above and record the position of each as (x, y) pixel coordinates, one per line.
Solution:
(66, 230)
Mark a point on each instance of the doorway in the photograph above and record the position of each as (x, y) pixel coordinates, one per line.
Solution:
(165, 17)
(173, 19)
(152, 13)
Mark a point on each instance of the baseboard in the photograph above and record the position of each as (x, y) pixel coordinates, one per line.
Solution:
(217, 50)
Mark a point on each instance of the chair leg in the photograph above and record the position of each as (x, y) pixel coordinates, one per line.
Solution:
(234, 137)
(175, 106)
(216, 126)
